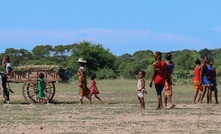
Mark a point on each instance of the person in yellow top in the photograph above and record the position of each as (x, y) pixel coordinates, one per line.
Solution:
(82, 80)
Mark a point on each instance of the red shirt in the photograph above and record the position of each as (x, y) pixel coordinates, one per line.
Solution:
(159, 68)
(196, 74)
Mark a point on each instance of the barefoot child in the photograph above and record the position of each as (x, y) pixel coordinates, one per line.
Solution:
(93, 88)
(41, 87)
(206, 83)
(196, 81)
(212, 78)
(141, 88)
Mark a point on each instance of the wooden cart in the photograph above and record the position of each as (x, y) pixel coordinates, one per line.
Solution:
(29, 76)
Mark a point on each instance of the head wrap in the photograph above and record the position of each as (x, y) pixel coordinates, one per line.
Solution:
(157, 55)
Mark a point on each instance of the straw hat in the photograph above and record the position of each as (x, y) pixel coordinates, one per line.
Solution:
(81, 60)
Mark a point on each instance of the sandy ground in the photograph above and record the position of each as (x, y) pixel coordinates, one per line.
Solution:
(108, 119)
(116, 116)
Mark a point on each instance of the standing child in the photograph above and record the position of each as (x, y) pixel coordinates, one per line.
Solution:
(212, 78)
(206, 83)
(196, 81)
(41, 86)
(141, 88)
(93, 88)
(168, 83)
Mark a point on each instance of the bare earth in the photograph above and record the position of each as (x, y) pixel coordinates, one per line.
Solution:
(66, 116)
(108, 118)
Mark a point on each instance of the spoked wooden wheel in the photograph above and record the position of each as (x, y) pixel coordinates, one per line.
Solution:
(30, 91)
(52, 91)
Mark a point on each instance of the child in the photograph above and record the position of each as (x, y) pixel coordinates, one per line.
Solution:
(93, 88)
(206, 83)
(196, 80)
(168, 83)
(141, 88)
(41, 86)
(212, 78)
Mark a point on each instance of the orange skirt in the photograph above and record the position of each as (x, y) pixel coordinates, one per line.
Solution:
(197, 86)
(167, 89)
(84, 91)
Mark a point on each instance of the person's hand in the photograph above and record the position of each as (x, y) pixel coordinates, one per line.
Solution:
(150, 84)
(145, 91)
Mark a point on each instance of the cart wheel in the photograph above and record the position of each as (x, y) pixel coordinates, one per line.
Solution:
(52, 91)
(30, 91)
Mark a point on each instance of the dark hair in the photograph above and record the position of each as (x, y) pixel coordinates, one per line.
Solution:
(197, 62)
(143, 73)
(93, 76)
(210, 60)
(204, 56)
(8, 58)
(168, 56)
(158, 54)
(41, 75)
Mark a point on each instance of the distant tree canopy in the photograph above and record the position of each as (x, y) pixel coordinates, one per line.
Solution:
(106, 64)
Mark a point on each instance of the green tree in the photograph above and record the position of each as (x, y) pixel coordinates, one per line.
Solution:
(42, 52)
(97, 57)
(18, 56)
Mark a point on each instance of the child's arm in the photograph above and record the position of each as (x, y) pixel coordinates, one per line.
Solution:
(143, 86)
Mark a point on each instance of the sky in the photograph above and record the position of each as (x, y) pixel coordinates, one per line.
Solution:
(122, 26)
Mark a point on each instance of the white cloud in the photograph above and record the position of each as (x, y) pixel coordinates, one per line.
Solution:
(113, 39)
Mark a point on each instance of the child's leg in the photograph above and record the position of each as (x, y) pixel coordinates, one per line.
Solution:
(142, 103)
(98, 98)
(209, 95)
(139, 99)
(216, 96)
(90, 98)
(165, 101)
(202, 94)
(195, 96)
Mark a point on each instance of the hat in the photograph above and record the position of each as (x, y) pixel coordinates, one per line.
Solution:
(82, 60)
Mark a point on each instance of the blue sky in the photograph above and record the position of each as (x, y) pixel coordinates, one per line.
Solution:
(123, 26)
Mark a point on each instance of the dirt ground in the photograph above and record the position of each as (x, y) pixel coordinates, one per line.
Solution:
(118, 115)
(108, 119)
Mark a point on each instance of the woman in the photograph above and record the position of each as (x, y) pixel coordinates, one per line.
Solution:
(83, 89)
(159, 77)
(168, 87)
(4, 76)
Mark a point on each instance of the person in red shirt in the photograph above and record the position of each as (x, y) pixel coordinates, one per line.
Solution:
(159, 77)
(93, 88)
(196, 80)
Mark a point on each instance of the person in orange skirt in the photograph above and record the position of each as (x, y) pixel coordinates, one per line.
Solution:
(82, 81)
(168, 83)
(196, 81)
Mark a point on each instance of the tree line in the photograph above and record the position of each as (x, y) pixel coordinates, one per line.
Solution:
(106, 64)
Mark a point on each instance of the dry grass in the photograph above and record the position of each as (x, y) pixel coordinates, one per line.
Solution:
(119, 114)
